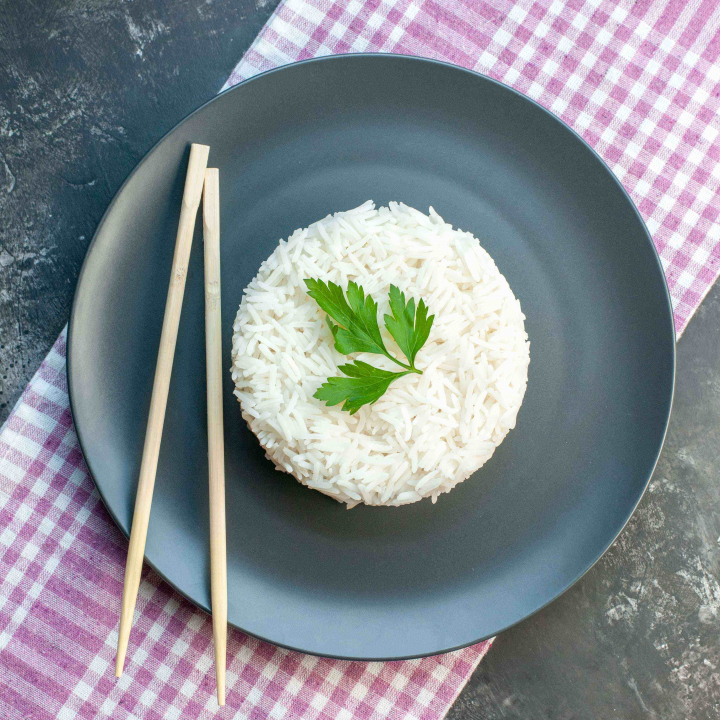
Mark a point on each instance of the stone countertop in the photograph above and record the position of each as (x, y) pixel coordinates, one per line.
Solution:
(639, 635)
(86, 88)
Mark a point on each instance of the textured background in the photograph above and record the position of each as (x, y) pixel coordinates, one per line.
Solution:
(86, 87)
(639, 635)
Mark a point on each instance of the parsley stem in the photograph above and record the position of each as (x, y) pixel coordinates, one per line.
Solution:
(409, 368)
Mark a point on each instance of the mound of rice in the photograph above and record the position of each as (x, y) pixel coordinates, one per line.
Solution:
(428, 432)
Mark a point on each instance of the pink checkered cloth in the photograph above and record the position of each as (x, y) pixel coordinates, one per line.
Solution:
(62, 562)
(639, 80)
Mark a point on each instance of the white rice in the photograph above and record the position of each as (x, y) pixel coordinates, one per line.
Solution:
(428, 432)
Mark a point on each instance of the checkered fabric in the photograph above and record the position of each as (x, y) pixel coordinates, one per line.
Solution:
(638, 80)
(62, 562)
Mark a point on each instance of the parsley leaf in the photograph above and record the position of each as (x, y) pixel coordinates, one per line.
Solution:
(357, 326)
(409, 328)
(365, 384)
(354, 325)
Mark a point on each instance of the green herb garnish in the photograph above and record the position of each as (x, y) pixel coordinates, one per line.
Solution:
(364, 384)
(354, 325)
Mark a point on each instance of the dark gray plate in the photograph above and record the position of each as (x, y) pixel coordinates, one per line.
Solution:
(292, 146)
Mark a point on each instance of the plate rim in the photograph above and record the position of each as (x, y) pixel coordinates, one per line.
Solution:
(392, 57)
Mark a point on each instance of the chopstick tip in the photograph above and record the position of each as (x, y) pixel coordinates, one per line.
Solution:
(202, 152)
(119, 662)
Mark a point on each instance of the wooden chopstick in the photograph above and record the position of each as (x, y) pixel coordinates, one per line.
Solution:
(216, 446)
(153, 434)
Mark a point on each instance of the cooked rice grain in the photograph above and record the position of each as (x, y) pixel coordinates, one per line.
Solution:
(428, 432)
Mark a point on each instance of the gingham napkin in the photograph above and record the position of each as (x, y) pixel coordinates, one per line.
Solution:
(639, 80)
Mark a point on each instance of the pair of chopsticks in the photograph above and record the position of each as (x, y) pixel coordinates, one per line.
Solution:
(200, 181)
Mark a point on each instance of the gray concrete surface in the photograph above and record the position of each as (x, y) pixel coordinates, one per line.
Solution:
(86, 88)
(639, 636)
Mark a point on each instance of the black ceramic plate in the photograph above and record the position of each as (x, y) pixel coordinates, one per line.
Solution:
(292, 146)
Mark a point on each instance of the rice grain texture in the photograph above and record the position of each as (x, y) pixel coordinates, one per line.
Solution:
(428, 432)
